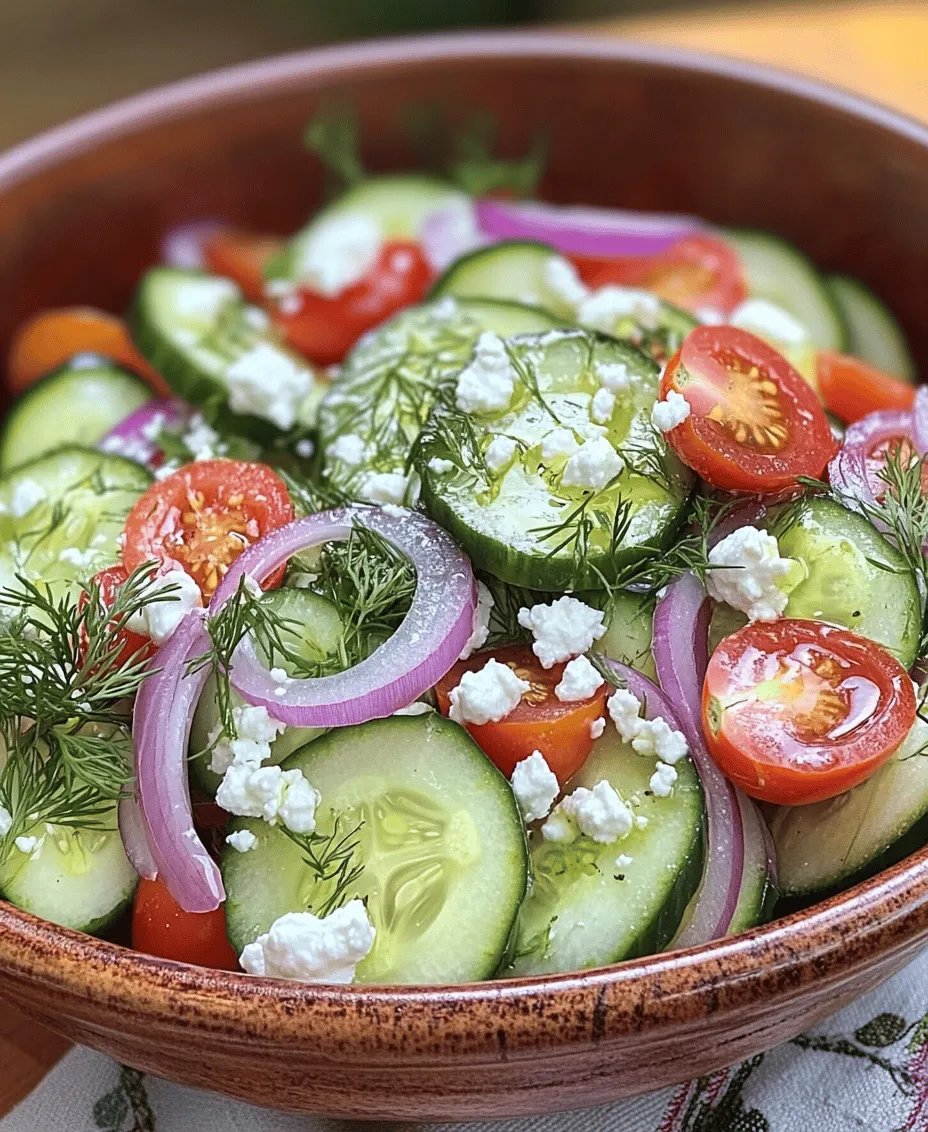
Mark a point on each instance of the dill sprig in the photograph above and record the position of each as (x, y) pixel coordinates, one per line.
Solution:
(333, 135)
(331, 859)
(475, 168)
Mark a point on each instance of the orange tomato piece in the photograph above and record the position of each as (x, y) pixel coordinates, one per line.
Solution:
(850, 388)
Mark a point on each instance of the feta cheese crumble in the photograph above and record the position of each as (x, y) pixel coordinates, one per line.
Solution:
(597, 727)
(579, 681)
(563, 629)
(625, 711)
(614, 376)
(27, 494)
(656, 737)
(268, 383)
(535, 786)
(340, 251)
(439, 466)
(562, 280)
(269, 793)
(623, 861)
(602, 406)
(747, 569)
(28, 845)
(385, 487)
(593, 465)
(560, 442)
(500, 452)
(767, 320)
(159, 618)
(487, 384)
(559, 827)
(481, 622)
(604, 308)
(304, 448)
(599, 813)
(662, 780)
(74, 556)
(670, 412)
(6, 821)
(348, 448)
(313, 950)
(243, 840)
(488, 695)
(200, 438)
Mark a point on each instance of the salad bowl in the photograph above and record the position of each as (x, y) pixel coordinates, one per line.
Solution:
(82, 212)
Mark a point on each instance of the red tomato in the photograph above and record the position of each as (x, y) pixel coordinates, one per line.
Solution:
(325, 329)
(540, 722)
(203, 517)
(755, 423)
(242, 257)
(161, 927)
(851, 389)
(108, 582)
(699, 272)
(799, 711)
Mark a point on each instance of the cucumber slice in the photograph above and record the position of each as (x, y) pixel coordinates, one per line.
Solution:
(779, 272)
(61, 516)
(77, 404)
(194, 327)
(518, 270)
(399, 203)
(80, 879)
(855, 578)
(389, 380)
(628, 632)
(315, 635)
(834, 844)
(522, 524)
(441, 844)
(584, 909)
(873, 333)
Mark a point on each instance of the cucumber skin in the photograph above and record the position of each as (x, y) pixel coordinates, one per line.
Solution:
(840, 287)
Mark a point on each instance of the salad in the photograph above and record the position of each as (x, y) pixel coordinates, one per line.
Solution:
(463, 587)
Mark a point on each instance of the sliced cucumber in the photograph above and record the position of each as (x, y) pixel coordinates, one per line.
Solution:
(628, 631)
(61, 516)
(313, 634)
(522, 524)
(834, 844)
(389, 381)
(77, 404)
(399, 203)
(779, 272)
(441, 843)
(873, 332)
(584, 908)
(194, 327)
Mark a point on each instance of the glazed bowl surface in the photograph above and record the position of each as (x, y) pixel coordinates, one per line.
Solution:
(82, 210)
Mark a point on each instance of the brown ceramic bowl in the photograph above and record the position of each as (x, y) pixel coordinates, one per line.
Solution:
(81, 212)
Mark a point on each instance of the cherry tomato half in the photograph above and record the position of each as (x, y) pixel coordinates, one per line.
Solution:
(755, 423)
(799, 711)
(203, 517)
(851, 388)
(242, 257)
(540, 722)
(108, 583)
(161, 927)
(699, 273)
(325, 329)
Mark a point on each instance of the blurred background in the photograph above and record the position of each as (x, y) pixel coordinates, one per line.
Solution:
(61, 57)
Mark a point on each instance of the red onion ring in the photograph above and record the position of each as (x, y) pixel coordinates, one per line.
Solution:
(850, 472)
(130, 437)
(420, 652)
(680, 648)
(584, 231)
(183, 244)
(161, 731)
(135, 838)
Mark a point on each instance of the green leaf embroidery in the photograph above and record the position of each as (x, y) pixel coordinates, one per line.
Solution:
(884, 1030)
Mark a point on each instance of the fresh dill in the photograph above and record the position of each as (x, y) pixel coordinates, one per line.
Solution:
(332, 860)
(333, 134)
(476, 169)
(504, 626)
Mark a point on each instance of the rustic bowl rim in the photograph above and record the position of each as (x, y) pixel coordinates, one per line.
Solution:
(826, 943)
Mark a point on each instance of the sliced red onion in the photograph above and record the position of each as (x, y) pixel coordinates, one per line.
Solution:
(584, 231)
(920, 420)
(161, 731)
(680, 647)
(450, 232)
(136, 435)
(420, 652)
(851, 472)
(183, 245)
(135, 838)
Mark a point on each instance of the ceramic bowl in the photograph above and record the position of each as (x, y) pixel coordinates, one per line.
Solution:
(81, 212)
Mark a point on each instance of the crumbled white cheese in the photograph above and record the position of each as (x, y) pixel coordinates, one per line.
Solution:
(298, 809)
(313, 950)
(305, 448)
(487, 695)
(167, 469)
(623, 861)
(613, 376)
(26, 495)
(77, 557)
(559, 827)
(711, 316)
(204, 297)
(255, 730)
(563, 629)
(6, 821)
(604, 308)
(341, 250)
(767, 320)
(481, 622)
(349, 448)
(662, 780)
(560, 442)
(579, 681)
(243, 840)
(268, 383)
(597, 727)
(747, 566)
(163, 612)
(625, 711)
(439, 466)
(535, 786)
(29, 845)
(200, 438)
(670, 412)
(263, 792)
(593, 465)
(656, 737)
(602, 406)
(385, 487)
(487, 384)
(394, 510)
(599, 813)
(417, 707)
(562, 280)
(500, 452)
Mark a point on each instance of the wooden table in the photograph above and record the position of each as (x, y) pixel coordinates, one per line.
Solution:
(878, 49)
